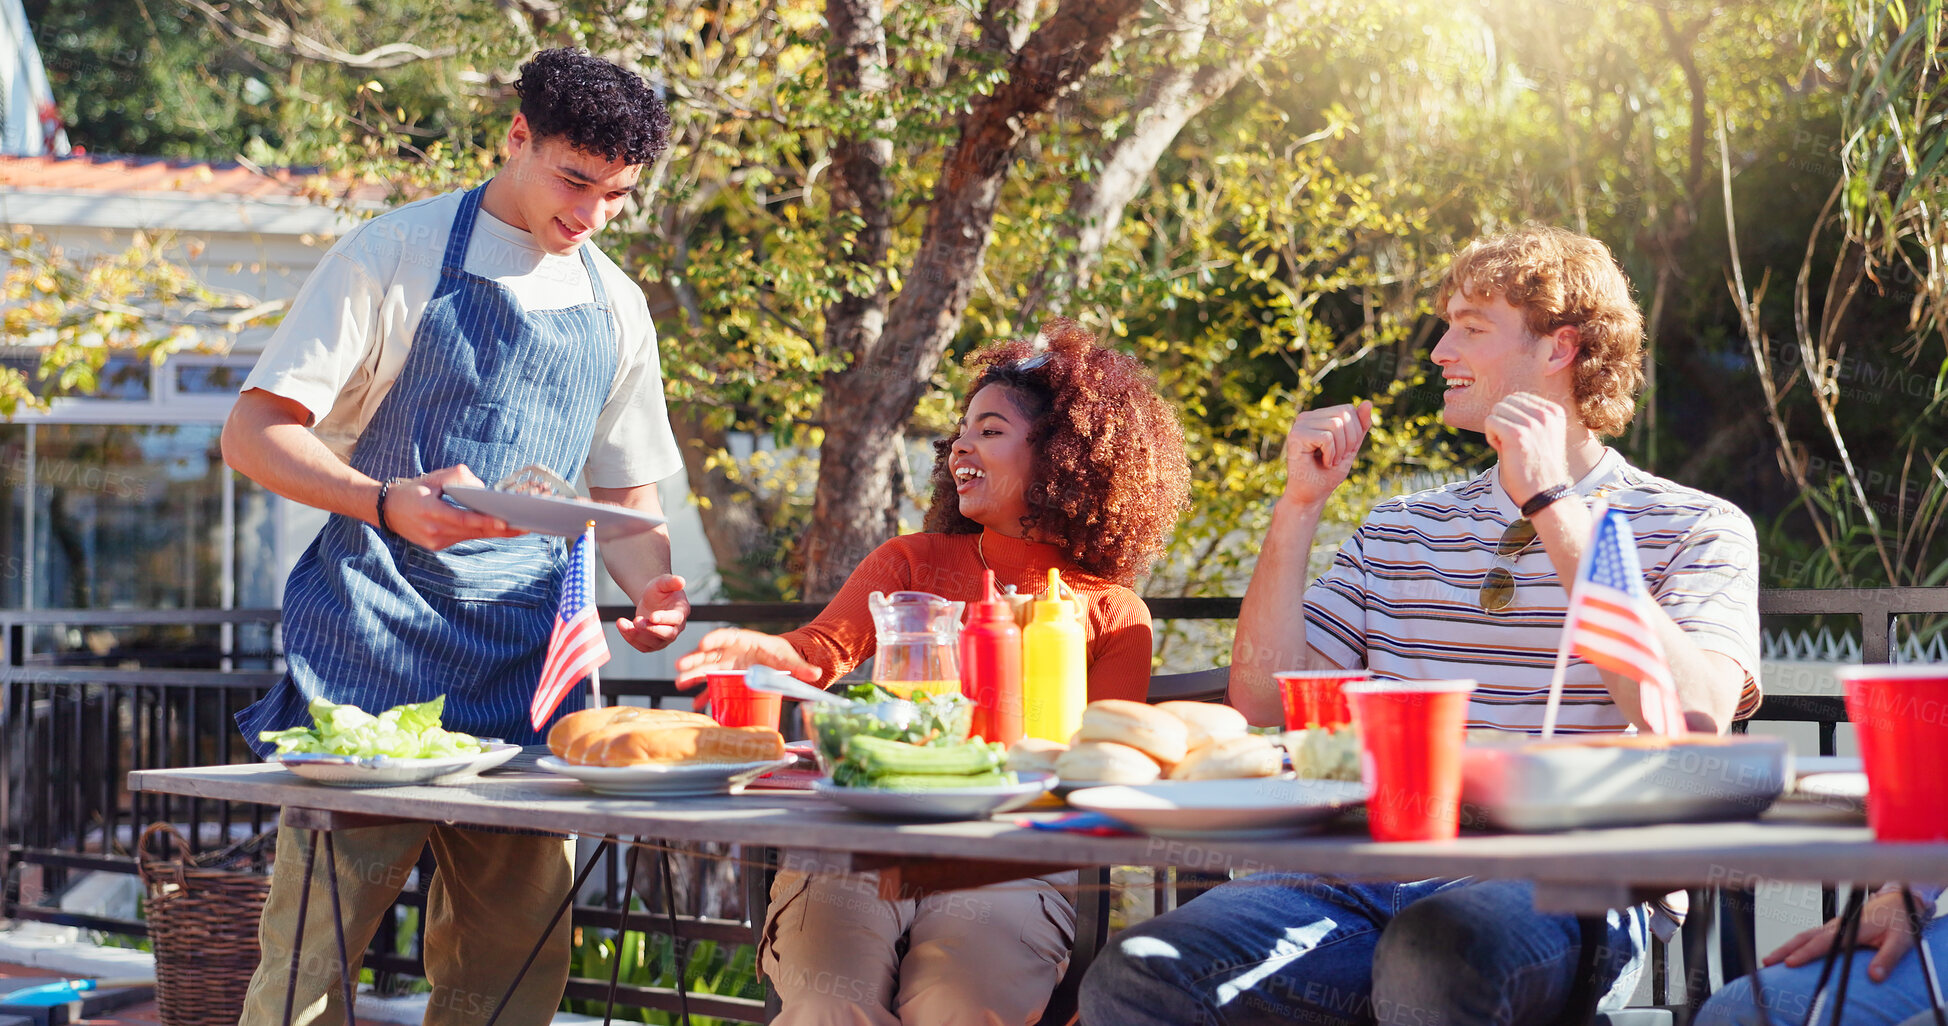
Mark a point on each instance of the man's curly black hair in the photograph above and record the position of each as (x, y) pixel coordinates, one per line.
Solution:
(598, 107)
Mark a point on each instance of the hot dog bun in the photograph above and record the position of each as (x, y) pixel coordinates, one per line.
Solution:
(635, 745)
(1207, 721)
(1247, 755)
(1035, 755)
(1105, 762)
(579, 725)
(1145, 728)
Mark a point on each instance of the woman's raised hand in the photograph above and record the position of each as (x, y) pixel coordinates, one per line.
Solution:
(734, 648)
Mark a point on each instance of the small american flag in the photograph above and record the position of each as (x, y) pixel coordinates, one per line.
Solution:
(577, 646)
(1610, 622)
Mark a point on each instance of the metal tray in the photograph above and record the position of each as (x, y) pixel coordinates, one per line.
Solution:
(356, 771)
(1536, 786)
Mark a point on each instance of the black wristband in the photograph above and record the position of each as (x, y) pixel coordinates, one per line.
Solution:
(1537, 503)
(384, 487)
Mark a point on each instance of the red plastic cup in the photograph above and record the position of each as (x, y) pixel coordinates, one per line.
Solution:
(735, 705)
(1316, 698)
(1411, 733)
(1900, 716)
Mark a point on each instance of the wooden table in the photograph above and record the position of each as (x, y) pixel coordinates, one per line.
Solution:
(1582, 872)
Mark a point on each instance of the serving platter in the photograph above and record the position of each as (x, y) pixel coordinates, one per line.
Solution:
(1528, 786)
(386, 771)
(1224, 809)
(947, 803)
(664, 780)
(554, 514)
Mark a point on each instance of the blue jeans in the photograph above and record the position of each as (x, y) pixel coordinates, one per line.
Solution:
(1296, 948)
(1789, 992)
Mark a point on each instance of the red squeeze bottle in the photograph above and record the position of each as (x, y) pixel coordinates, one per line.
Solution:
(990, 666)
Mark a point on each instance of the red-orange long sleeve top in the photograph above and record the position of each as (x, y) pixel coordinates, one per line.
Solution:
(949, 565)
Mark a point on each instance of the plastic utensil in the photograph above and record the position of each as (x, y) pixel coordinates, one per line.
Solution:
(1900, 716)
(1316, 698)
(1411, 733)
(764, 678)
(990, 666)
(1055, 669)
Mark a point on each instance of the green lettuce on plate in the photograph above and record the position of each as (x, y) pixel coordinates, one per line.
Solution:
(401, 732)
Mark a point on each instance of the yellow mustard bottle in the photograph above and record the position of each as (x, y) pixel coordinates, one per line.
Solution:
(1054, 668)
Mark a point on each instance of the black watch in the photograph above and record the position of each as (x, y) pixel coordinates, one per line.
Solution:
(1545, 498)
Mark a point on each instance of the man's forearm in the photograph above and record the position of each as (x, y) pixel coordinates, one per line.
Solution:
(639, 559)
(1271, 621)
(265, 439)
(1702, 692)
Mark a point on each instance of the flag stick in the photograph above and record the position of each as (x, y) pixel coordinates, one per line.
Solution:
(1597, 510)
(594, 673)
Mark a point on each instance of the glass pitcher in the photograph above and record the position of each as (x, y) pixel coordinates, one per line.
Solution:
(918, 637)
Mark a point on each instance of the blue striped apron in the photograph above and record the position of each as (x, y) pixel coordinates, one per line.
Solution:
(378, 621)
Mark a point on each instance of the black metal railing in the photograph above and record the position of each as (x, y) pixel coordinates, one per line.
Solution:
(79, 717)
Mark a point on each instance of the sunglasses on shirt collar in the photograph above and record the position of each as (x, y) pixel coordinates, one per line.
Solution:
(1498, 585)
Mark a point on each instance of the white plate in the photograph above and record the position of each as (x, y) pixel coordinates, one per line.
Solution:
(943, 804)
(384, 771)
(1255, 807)
(553, 514)
(1837, 790)
(1808, 765)
(665, 780)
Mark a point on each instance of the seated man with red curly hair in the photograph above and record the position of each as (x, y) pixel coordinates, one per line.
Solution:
(1065, 458)
(1543, 355)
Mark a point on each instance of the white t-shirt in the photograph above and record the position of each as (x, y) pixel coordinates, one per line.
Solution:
(344, 340)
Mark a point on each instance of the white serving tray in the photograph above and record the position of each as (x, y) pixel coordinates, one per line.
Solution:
(947, 803)
(665, 780)
(554, 514)
(1224, 809)
(1532, 786)
(385, 771)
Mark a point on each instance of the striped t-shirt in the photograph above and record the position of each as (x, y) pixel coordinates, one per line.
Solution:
(1402, 596)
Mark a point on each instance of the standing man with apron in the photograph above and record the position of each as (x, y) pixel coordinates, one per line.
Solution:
(450, 342)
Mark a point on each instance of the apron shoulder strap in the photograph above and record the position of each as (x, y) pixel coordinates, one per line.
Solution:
(460, 235)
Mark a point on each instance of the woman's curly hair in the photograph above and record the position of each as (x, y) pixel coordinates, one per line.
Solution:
(1558, 278)
(599, 107)
(1109, 478)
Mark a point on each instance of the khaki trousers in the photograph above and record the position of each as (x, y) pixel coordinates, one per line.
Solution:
(989, 956)
(488, 903)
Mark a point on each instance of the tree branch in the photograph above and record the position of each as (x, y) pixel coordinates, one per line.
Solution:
(283, 38)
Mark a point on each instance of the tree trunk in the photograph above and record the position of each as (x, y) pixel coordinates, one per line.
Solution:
(1180, 91)
(868, 403)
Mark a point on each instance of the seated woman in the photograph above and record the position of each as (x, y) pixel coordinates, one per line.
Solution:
(1887, 986)
(1066, 457)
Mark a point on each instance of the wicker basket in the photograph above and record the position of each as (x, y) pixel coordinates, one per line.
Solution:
(203, 914)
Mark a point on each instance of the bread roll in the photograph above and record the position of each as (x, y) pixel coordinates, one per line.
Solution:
(634, 745)
(1247, 755)
(1207, 721)
(1105, 762)
(576, 729)
(1155, 733)
(1035, 755)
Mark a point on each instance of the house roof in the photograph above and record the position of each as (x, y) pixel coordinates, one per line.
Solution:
(156, 193)
(115, 174)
